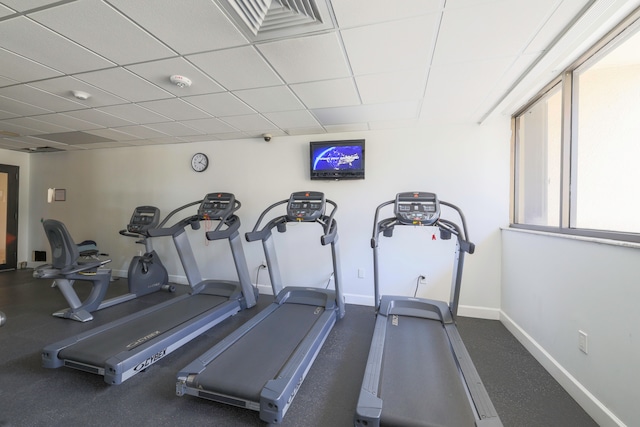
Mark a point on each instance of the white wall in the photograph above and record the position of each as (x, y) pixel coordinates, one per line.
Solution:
(554, 286)
(15, 158)
(465, 164)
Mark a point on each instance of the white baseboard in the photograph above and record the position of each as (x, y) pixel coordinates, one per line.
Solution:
(479, 312)
(600, 413)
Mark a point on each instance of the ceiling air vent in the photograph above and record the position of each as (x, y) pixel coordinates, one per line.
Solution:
(269, 19)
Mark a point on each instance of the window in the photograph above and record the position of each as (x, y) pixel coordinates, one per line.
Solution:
(577, 145)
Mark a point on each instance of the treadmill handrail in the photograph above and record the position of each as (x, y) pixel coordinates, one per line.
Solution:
(173, 212)
(232, 223)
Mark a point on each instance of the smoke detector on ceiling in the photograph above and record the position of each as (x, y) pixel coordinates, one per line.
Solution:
(83, 96)
(180, 81)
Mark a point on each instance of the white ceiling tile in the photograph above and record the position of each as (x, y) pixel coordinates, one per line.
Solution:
(113, 134)
(367, 113)
(67, 121)
(210, 126)
(7, 126)
(98, 117)
(34, 96)
(391, 87)
(103, 30)
(562, 16)
(175, 109)
(484, 27)
(22, 69)
(220, 104)
(306, 130)
(196, 27)
(399, 45)
(327, 93)
(441, 103)
(6, 114)
(174, 129)
(142, 131)
(36, 125)
(134, 113)
(20, 108)
(248, 123)
(6, 82)
(350, 13)
(64, 86)
(159, 73)
(23, 5)
(269, 99)
(238, 68)
(5, 11)
(292, 119)
(307, 59)
(27, 38)
(125, 84)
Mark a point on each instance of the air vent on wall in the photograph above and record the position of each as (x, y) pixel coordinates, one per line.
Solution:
(268, 19)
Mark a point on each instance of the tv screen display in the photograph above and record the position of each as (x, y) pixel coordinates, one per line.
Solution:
(337, 159)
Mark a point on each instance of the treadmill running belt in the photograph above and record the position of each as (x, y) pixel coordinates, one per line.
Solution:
(420, 383)
(96, 350)
(263, 351)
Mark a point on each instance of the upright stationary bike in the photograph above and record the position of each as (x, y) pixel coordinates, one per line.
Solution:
(146, 272)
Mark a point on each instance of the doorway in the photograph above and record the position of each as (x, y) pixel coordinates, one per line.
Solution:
(8, 217)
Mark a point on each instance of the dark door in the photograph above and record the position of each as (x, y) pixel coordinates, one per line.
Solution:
(8, 217)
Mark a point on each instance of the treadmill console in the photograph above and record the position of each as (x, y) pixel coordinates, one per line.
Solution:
(305, 206)
(417, 208)
(216, 206)
(143, 219)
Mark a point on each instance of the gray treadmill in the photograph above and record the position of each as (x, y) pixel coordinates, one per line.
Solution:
(262, 364)
(419, 372)
(120, 349)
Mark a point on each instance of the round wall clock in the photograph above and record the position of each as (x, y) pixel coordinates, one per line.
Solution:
(199, 162)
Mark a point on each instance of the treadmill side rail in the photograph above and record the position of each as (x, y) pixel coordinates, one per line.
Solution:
(484, 408)
(278, 393)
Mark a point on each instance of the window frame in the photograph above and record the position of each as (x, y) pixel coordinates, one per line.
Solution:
(568, 193)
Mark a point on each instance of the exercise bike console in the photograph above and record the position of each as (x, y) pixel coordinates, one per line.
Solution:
(143, 219)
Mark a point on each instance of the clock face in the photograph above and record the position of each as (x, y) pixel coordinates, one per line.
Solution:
(199, 162)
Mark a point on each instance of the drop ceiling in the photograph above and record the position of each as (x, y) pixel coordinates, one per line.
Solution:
(366, 65)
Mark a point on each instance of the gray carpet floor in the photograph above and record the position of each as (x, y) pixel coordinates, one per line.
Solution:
(523, 393)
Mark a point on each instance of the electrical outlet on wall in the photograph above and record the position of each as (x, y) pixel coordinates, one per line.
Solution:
(423, 279)
(582, 342)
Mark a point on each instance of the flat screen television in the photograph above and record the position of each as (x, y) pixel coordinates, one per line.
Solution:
(333, 160)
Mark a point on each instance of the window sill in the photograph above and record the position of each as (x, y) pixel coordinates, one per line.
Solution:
(589, 239)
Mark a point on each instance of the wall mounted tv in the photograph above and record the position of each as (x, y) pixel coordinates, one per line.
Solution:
(337, 159)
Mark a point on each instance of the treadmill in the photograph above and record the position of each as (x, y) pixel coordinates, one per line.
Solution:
(262, 364)
(419, 372)
(120, 349)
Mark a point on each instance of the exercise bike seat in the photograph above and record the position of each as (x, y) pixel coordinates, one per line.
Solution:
(66, 267)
